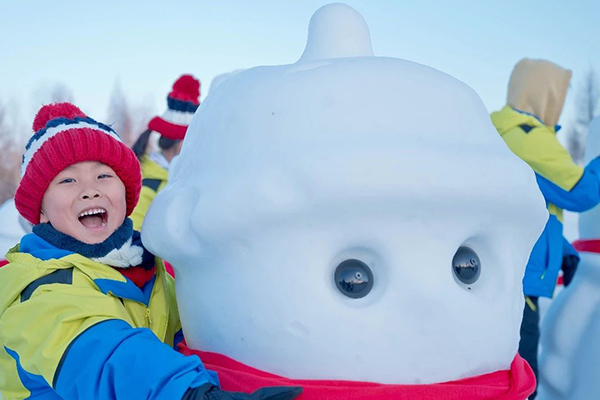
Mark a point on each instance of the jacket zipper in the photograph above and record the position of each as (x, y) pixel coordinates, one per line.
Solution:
(148, 318)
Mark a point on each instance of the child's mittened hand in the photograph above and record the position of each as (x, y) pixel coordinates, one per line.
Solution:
(212, 392)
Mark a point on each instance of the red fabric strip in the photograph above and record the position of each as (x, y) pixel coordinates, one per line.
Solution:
(138, 275)
(514, 384)
(587, 245)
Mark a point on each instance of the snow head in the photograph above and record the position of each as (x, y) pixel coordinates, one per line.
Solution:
(316, 209)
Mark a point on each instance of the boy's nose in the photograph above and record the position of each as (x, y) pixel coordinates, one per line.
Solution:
(90, 194)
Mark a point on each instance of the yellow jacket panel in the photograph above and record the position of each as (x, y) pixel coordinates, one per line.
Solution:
(154, 180)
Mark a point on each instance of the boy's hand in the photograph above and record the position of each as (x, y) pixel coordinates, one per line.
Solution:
(569, 267)
(212, 392)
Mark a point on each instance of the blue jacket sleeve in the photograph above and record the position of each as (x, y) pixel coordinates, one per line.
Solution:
(584, 195)
(112, 360)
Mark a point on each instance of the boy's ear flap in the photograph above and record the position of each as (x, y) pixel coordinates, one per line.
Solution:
(43, 218)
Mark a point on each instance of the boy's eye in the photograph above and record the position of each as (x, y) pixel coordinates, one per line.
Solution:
(67, 180)
(102, 176)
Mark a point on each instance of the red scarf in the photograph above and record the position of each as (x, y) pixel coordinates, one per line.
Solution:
(138, 275)
(514, 384)
(587, 245)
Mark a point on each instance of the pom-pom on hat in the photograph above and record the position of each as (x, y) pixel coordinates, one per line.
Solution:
(182, 103)
(64, 136)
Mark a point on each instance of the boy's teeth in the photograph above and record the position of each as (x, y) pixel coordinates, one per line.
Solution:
(92, 212)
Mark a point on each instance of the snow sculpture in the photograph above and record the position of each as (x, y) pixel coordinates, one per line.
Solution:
(217, 80)
(316, 208)
(12, 226)
(570, 342)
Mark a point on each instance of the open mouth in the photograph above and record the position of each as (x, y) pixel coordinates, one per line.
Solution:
(93, 218)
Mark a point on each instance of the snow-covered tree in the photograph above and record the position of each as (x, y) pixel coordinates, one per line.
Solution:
(50, 92)
(128, 119)
(587, 103)
(119, 115)
(61, 93)
(10, 149)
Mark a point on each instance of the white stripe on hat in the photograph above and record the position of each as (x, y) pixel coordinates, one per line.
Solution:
(50, 132)
(178, 117)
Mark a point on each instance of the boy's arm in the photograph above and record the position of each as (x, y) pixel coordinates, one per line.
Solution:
(113, 358)
(81, 343)
(581, 197)
(561, 180)
(540, 148)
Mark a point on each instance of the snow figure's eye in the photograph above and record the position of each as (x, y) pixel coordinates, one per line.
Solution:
(354, 278)
(466, 265)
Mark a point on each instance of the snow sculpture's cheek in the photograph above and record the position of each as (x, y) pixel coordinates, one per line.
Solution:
(170, 215)
(230, 209)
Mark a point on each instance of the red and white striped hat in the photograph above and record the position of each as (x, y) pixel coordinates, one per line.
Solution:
(182, 103)
(64, 136)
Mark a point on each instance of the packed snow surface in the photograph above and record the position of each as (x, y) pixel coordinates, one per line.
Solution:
(288, 171)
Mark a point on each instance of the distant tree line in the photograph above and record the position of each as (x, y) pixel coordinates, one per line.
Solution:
(127, 121)
(587, 103)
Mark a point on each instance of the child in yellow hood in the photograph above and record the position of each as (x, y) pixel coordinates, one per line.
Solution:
(528, 124)
(85, 311)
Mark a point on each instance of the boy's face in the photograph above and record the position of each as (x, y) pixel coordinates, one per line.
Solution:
(86, 201)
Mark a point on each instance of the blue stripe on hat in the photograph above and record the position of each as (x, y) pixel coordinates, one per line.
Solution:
(180, 105)
(66, 121)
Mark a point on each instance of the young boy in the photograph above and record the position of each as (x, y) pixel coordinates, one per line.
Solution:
(85, 311)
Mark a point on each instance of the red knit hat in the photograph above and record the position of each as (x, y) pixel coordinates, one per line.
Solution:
(182, 103)
(64, 136)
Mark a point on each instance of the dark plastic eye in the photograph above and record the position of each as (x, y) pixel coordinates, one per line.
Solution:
(354, 278)
(466, 265)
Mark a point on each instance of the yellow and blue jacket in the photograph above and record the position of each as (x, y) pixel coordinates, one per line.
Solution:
(564, 184)
(154, 180)
(72, 328)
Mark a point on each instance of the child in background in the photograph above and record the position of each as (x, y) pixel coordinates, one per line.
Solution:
(537, 90)
(85, 311)
(182, 103)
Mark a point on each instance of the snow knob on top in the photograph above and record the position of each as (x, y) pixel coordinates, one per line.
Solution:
(337, 31)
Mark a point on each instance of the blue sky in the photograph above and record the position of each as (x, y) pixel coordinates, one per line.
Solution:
(146, 45)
